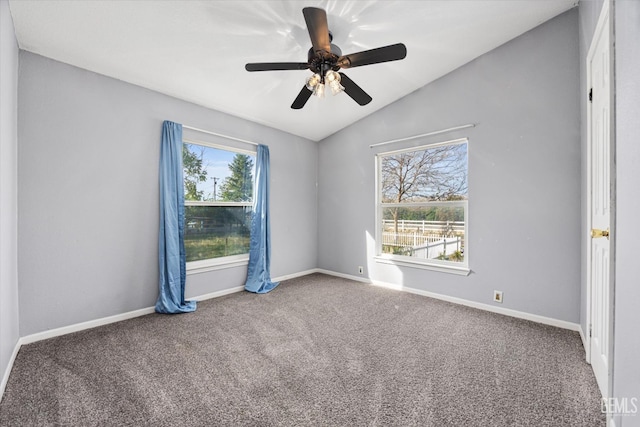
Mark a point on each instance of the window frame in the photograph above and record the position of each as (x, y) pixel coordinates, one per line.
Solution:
(211, 264)
(460, 268)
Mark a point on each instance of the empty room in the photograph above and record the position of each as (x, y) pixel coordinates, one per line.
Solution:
(323, 213)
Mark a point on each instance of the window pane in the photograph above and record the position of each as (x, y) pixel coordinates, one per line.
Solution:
(424, 232)
(216, 231)
(438, 173)
(212, 174)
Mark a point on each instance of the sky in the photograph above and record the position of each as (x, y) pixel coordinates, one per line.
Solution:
(216, 162)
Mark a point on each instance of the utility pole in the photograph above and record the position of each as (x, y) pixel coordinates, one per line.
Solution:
(215, 184)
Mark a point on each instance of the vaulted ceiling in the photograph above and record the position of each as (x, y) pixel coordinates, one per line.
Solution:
(196, 50)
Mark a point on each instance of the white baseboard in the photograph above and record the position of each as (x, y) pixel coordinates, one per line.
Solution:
(228, 291)
(28, 339)
(294, 275)
(486, 307)
(344, 276)
(500, 310)
(5, 376)
(217, 294)
(583, 338)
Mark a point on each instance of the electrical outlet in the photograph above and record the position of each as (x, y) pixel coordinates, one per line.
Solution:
(497, 296)
(360, 269)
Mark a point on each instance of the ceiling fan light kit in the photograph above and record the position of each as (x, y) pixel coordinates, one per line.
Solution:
(334, 79)
(319, 90)
(325, 60)
(316, 83)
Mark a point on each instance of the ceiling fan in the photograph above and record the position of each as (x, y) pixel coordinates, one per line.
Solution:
(325, 60)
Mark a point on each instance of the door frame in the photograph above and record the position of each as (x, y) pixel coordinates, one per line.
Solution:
(604, 18)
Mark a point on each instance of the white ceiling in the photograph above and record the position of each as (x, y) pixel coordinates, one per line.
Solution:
(196, 50)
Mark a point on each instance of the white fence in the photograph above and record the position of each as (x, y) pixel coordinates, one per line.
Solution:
(445, 246)
(423, 246)
(424, 239)
(413, 240)
(431, 227)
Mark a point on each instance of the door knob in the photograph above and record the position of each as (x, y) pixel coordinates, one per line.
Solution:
(595, 233)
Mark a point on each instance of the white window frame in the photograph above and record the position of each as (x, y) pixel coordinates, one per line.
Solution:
(460, 268)
(211, 264)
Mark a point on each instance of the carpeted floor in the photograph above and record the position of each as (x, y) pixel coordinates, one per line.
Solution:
(318, 350)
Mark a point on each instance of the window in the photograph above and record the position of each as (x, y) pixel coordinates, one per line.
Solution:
(422, 206)
(218, 193)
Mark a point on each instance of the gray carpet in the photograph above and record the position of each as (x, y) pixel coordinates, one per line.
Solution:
(317, 350)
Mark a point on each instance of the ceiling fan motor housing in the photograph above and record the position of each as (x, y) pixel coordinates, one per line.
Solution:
(321, 61)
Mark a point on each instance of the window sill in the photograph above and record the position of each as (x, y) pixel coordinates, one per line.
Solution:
(206, 265)
(461, 271)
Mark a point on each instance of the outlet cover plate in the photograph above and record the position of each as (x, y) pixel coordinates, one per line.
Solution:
(497, 296)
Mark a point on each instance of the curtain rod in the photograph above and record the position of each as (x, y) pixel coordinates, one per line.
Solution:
(221, 135)
(437, 132)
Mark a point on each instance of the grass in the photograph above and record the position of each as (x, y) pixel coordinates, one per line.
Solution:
(204, 246)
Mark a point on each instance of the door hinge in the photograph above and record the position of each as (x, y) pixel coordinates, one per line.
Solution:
(590, 330)
(591, 95)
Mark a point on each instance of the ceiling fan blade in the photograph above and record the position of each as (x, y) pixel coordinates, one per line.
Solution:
(316, 20)
(354, 91)
(273, 66)
(302, 98)
(393, 52)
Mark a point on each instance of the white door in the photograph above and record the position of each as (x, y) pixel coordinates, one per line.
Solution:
(600, 201)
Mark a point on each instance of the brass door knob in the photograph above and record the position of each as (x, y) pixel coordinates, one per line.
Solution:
(595, 233)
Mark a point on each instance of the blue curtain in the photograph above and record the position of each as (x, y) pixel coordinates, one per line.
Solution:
(171, 253)
(258, 273)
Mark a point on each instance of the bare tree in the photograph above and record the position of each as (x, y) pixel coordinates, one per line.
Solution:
(433, 174)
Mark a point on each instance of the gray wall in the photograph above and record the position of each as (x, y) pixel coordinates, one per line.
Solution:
(8, 188)
(626, 378)
(524, 175)
(88, 194)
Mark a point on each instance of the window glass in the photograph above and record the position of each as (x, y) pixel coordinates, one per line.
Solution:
(216, 231)
(218, 187)
(431, 174)
(422, 203)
